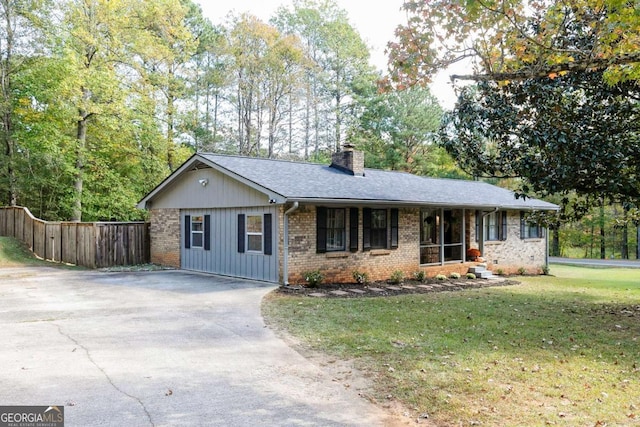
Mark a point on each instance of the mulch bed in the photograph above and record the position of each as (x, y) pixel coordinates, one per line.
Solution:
(384, 289)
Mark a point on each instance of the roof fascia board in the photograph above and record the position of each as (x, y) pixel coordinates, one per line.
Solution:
(374, 202)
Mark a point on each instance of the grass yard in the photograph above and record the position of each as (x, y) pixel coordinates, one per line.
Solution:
(14, 253)
(555, 350)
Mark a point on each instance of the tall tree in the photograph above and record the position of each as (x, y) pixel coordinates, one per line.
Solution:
(267, 67)
(338, 56)
(169, 45)
(18, 40)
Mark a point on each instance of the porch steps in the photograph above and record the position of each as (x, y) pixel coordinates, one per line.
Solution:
(481, 272)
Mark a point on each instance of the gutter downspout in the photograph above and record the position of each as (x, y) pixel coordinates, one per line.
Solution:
(285, 264)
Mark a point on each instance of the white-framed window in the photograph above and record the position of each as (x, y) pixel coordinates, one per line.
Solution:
(197, 231)
(254, 233)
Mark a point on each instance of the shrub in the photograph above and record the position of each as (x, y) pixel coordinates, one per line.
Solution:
(545, 270)
(313, 278)
(420, 275)
(441, 277)
(360, 277)
(454, 275)
(471, 276)
(522, 271)
(397, 277)
(500, 272)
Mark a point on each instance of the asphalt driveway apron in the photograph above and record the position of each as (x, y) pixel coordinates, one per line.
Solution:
(159, 349)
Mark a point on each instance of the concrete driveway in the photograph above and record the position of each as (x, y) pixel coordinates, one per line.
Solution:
(159, 348)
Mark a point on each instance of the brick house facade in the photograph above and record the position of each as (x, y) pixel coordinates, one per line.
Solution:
(266, 219)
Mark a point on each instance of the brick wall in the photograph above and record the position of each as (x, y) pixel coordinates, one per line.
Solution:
(515, 253)
(508, 256)
(165, 237)
(379, 264)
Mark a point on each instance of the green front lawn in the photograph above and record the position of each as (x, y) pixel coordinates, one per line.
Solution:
(554, 350)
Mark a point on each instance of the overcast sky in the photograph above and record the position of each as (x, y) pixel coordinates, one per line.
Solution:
(376, 22)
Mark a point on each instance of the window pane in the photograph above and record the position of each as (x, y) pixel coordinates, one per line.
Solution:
(453, 226)
(492, 227)
(430, 226)
(532, 231)
(335, 218)
(196, 223)
(378, 218)
(254, 224)
(196, 240)
(379, 238)
(335, 239)
(254, 243)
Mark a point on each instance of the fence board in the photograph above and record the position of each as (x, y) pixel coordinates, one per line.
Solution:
(82, 243)
(39, 237)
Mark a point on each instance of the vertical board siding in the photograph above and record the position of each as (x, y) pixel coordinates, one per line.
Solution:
(87, 244)
(223, 257)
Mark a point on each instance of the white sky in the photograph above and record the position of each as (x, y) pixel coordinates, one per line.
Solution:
(375, 20)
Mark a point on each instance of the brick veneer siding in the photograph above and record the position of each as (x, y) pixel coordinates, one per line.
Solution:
(515, 253)
(165, 237)
(379, 264)
(339, 266)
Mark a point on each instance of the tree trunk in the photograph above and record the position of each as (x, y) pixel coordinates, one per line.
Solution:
(625, 235)
(555, 241)
(78, 184)
(603, 252)
(6, 106)
(170, 123)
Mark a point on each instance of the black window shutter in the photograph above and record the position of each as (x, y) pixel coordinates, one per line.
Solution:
(522, 225)
(354, 218)
(366, 229)
(478, 225)
(187, 231)
(394, 228)
(268, 234)
(241, 237)
(207, 232)
(321, 230)
(503, 228)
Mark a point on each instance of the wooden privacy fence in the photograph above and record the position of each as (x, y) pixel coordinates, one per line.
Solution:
(90, 244)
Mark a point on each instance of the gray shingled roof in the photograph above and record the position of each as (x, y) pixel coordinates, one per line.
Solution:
(298, 181)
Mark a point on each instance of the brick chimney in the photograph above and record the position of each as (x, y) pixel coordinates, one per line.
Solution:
(349, 160)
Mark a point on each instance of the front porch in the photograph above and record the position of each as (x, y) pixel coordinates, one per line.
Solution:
(445, 236)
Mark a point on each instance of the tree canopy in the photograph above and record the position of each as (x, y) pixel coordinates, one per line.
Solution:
(574, 133)
(517, 39)
(554, 100)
